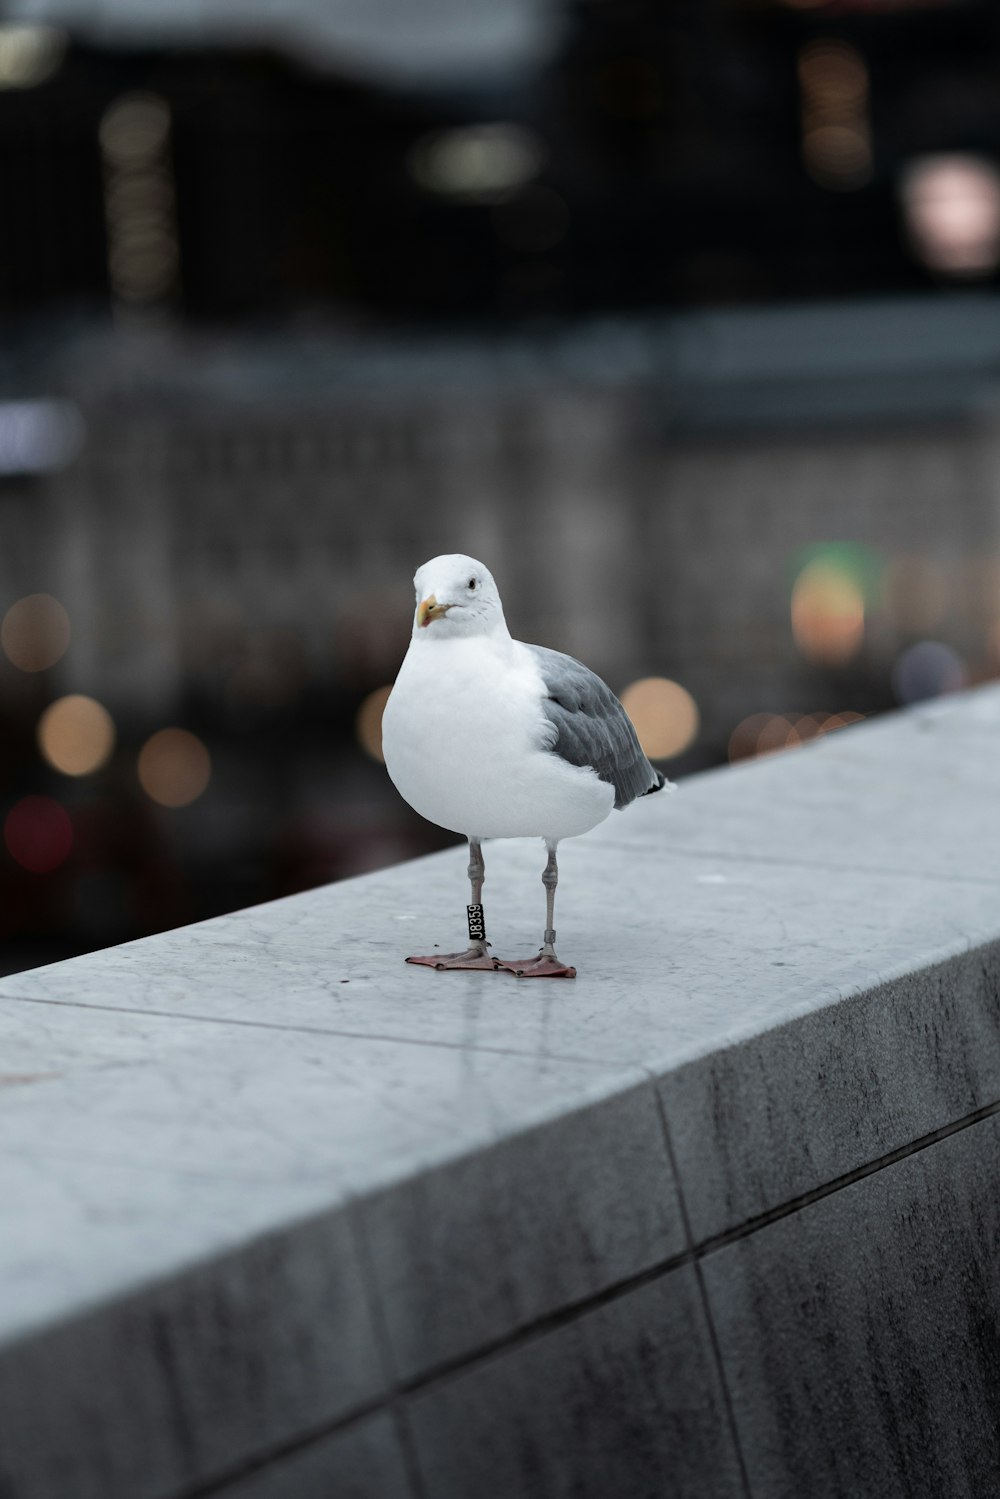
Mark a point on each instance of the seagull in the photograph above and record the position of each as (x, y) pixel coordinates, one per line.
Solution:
(492, 738)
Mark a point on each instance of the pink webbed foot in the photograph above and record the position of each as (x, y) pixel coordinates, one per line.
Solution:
(544, 966)
(473, 957)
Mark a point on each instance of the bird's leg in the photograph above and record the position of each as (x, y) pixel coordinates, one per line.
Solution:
(477, 955)
(550, 879)
(547, 964)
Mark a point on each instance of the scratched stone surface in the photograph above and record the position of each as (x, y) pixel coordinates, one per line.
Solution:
(860, 1335)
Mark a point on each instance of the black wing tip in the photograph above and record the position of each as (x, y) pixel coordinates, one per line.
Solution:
(626, 795)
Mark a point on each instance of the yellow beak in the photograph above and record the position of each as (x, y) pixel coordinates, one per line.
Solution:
(429, 609)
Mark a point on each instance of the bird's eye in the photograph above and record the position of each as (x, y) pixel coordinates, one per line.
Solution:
(472, 583)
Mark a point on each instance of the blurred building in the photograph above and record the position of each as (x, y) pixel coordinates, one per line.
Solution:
(549, 160)
(239, 528)
(683, 319)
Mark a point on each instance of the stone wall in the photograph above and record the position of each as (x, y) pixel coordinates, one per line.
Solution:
(285, 1217)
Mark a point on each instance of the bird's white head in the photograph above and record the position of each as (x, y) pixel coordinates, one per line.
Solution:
(456, 596)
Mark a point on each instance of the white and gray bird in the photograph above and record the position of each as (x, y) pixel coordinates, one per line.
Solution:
(492, 738)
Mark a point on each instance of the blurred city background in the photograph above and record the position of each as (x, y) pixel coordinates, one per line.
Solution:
(682, 316)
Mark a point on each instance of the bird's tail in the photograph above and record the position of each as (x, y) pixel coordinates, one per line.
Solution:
(660, 784)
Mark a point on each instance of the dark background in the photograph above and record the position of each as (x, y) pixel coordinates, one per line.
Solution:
(682, 317)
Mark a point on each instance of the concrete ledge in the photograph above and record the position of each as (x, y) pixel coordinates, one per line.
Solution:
(282, 1216)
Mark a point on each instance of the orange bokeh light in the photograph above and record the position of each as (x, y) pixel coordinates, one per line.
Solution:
(76, 735)
(368, 723)
(174, 767)
(664, 714)
(828, 614)
(35, 632)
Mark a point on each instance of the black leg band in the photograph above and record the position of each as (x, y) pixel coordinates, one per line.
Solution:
(477, 924)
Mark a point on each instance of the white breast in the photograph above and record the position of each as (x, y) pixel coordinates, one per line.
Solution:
(464, 737)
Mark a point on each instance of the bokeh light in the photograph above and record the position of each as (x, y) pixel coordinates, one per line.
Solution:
(38, 437)
(829, 598)
(134, 128)
(807, 725)
(951, 202)
(665, 716)
(928, 669)
(836, 137)
(35, 633)
(764, 733)
(840, 721)
(828, 613)
(481, 163)
(139, 198)
(76, 735)
(368, 723)
(174, 767)
(833, 76)
(778, 733)
(29, 54)
(38, 834)
(838, 155)
(743, 739)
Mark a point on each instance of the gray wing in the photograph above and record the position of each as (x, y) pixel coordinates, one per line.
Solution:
(592, 727)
